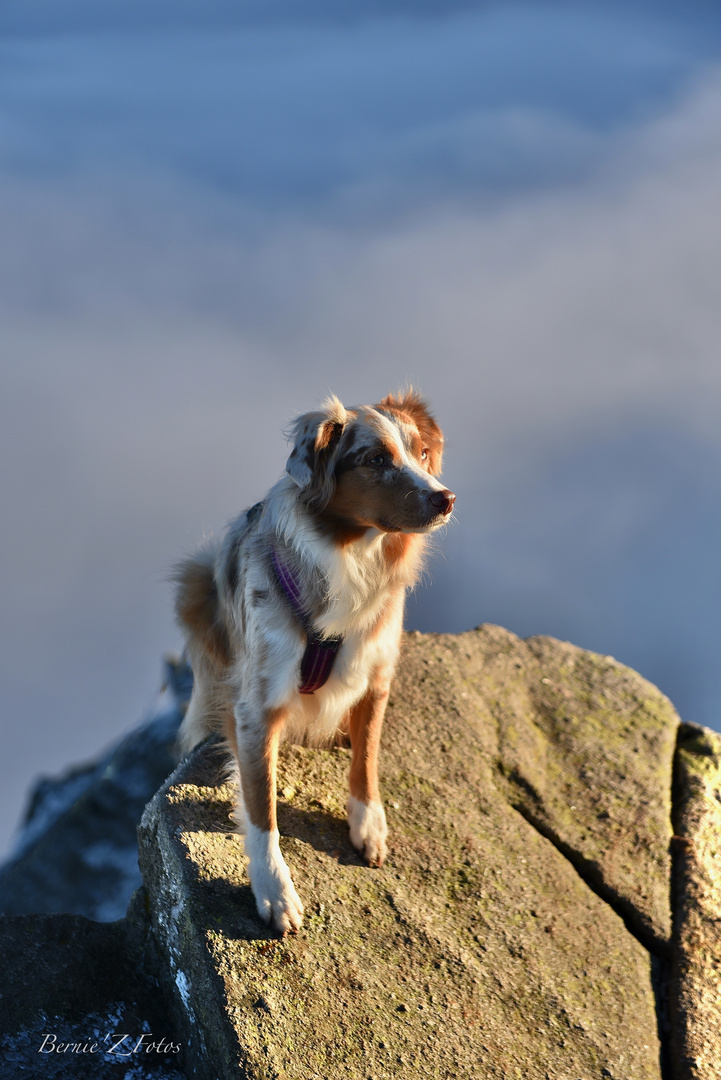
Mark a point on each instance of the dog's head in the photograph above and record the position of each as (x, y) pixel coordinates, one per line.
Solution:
(372, 466)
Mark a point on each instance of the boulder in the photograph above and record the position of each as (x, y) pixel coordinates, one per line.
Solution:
(76, 851)
(522, 923)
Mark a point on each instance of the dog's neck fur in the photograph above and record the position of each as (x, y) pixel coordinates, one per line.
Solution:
(341, 584)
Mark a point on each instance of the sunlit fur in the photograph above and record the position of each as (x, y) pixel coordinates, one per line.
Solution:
(350, 518)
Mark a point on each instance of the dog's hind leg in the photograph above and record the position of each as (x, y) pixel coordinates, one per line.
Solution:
(195, 724)
(238, 815)
(211, 710)
(209, 702)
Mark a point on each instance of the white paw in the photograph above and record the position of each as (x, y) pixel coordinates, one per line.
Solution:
(368, 829)
(278, 902)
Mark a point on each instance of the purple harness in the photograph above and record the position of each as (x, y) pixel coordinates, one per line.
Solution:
(320, 652)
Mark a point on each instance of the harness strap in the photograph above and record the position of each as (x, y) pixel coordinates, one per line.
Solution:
(320, 652)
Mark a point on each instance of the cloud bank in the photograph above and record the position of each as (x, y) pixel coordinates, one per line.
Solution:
(208, 224)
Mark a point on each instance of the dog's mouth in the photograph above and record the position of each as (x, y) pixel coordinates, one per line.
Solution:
(438, 521)
(429, 525)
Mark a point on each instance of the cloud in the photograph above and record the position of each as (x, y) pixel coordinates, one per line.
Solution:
(40, 17)
(395, 112)
(36, 18)
(473, 219)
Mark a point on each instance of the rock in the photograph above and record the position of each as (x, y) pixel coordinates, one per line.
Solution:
(71, 989)
(696, 980)
(77, 849)
(501, 939)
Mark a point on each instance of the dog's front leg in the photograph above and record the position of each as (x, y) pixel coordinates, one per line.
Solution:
(278, 902)
(366, 816)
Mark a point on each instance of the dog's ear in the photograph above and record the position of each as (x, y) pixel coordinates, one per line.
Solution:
(414, 407)
(316, 437)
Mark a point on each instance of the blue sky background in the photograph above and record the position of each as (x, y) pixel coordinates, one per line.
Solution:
(211, 214)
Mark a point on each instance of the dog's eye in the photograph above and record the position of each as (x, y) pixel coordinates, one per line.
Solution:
(377, 459)
(424, 455)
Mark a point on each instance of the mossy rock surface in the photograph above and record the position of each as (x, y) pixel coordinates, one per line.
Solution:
(516, 924)
(585, 747)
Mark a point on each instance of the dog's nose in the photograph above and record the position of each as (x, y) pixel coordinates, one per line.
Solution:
(443, 501)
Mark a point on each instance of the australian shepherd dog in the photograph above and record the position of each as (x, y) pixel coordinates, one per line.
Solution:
(293, 619)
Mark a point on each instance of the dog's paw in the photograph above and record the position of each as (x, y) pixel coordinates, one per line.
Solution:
(277, 900)
(368, 830)
(275, 896)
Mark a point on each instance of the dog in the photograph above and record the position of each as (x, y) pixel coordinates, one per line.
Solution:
(293, 619)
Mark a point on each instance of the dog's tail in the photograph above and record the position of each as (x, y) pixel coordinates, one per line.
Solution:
(198, 611)
(197, 608)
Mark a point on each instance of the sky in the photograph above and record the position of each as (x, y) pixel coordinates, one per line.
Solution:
(211, 215)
